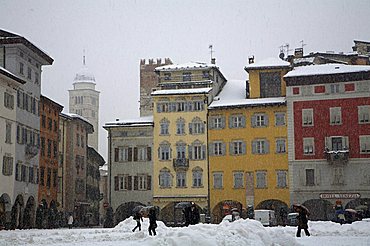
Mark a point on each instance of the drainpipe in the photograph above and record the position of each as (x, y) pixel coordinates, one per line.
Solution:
(109, 167)
(208, 168)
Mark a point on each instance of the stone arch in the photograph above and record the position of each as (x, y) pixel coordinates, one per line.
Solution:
(124, 211)
(223, 208)
(5, 210)
(172, 215)
(281, 209)
(17, 213)
(320, 209)
(29, 213)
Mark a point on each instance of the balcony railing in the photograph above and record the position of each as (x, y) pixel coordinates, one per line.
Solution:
(181, 163)
(337, 157)
(31, 150)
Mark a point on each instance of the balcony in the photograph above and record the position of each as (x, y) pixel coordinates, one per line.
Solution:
(337, 157)
(31, 150)
(181, 163)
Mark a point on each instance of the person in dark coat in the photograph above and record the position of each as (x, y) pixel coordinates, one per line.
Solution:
(152, 222)
(187, 216)
(302, 220)
(138, 217)
(194, 214)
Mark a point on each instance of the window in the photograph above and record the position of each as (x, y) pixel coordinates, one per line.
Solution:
(55, 178)
(8, 132)
(281, 177)
(197, 151)
(29, 72)
(37, 78)
(197, 177)
(180, 126)
(308, 146)
(164, 152)
(260, 146)
(21, 68)
(55, 149)
(238, 180)
(49, 148)
(237, 147)
(338, 176)
(336, 143)
(181, 179)
(124, 182)
(78, 139)
(217, 148)
(186, 76)
(335, 116)
(259, 120)
(196, 126)
(8, 100)
(270, 84)
(307, 117)
(217, 180)
(180, 150)
(205, 74)
(280, 145)
(279, 119)
(164, 124)
(261, 179)
(82, 141)
(167, 76)
(18, 171)
(198, 105)
(310, 177)
(334, 88)
(7, 165)
(364, 114)
(42, 146)
(142, 179)
(48, 178)
(50, 124)
(217, 122)
(165, 178)
(31, 175)
(123, 154)
(237, 121)
(181, 106)
(140, 152)
(23, 173)
(365, 144)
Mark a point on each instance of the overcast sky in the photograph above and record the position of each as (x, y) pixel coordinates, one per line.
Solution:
(117, 34)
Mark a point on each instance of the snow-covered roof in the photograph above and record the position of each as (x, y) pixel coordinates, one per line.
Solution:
(233, 94)
(303, 60)
(326, 69)
(11, 75)
(181, 91)
(189, 65)
(77, 116)
(141, 121)
(268, 63)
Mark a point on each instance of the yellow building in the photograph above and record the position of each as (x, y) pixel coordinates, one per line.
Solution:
(180, 160)
(247, 143)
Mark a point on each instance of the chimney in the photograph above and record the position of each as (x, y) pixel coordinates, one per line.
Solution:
(213, 61)
(298, 52)
(251, 59)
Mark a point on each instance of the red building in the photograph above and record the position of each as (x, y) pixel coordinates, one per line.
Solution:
(329, 136)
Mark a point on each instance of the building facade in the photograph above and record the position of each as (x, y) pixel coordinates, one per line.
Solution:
(25, 60)
(130, 165)
(328, 136)
(84, 101)
(247, 143)
(148, 82)
(180, 162)
(49, 138)
(72, 173)
(8, 93)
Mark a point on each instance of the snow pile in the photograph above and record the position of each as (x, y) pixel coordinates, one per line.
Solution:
(240, 232)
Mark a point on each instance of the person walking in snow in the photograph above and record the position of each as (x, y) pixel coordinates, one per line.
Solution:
(152, 222)
(70, 221)
(302, 220)
(138, 217)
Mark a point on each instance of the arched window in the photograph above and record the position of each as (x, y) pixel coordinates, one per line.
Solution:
(197, 177)
(165, 178)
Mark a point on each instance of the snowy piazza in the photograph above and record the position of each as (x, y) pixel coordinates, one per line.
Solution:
(172, 122)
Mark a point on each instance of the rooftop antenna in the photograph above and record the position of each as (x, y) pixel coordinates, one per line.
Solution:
(84, 61)
(302, 44)
(211, 48)
(286, 46)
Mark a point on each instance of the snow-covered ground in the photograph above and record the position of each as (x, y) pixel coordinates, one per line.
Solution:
(241, 232)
